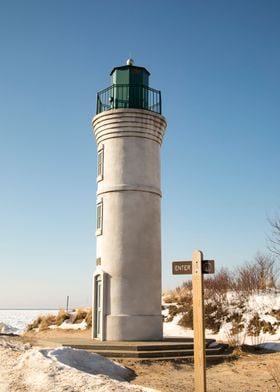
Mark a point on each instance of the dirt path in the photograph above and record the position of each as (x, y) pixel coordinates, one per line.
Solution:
(249, 373)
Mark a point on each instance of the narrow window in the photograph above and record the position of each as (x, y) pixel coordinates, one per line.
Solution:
(100, 163)
(99, 218)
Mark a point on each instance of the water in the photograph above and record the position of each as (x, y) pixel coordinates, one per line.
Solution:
(16, 320)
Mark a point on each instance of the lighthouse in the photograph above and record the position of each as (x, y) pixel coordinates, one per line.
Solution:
(129, 129)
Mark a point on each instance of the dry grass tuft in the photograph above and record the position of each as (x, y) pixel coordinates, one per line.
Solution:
(88, 318)
(62, 316)
(169, 297)
(46, 321)
(35, 324)
(42, 322)
(80, 315)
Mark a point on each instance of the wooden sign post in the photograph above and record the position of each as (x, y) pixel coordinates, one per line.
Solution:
(198, 323)
(197, 267)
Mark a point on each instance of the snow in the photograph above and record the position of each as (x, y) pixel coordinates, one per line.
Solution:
(87, 362)
(271, 346)
(66, 369)
(260, 303)
(67, 324)
(7, 329)
(61, 369)
(16, 320)
(173, 329)
(264, 302)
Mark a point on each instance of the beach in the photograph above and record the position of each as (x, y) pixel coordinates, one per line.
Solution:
(28, 368)
(34, 361)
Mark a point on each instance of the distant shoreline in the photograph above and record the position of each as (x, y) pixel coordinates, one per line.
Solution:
(30, 308)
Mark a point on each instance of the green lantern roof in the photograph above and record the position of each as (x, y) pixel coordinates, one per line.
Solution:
(130, 74)
(130, 89)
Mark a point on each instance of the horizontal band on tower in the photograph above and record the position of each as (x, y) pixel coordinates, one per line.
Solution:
(122, 133)
(125, 188)
(129, 123)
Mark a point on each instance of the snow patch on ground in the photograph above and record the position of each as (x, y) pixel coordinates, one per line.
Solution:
(63, 369)
(264, 302)
(67, 324)
(91, 363)
(7, 329)
(173, 329)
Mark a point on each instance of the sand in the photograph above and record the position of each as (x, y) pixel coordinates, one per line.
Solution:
(248, 373)
(22, 368)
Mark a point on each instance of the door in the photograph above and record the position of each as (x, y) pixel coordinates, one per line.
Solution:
(98, 307)
(99, 301)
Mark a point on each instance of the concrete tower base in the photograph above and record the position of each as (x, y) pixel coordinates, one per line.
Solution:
(127, 281)
(134, 328)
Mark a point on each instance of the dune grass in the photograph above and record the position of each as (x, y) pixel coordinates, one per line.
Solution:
(77, 316)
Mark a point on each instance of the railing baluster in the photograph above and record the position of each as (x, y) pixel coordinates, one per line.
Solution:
(121, 96)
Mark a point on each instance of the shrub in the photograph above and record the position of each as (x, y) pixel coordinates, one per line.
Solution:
(175, 310)
(256, 326)
(237, 324)
(226, 296)
(172, 311)
(275, 313)
(187, 319)
(236, 332)
(215, 313)
(258, 275)
(219, 284)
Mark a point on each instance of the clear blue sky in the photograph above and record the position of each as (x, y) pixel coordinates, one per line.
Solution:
(217, 64)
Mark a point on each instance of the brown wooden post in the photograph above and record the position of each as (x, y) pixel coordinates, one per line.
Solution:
(197, 267)
(198, 323)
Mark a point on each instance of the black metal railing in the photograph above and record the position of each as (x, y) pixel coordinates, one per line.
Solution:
(121, 96)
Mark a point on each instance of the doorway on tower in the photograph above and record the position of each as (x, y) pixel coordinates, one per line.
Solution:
(98, 306)
(98, 311)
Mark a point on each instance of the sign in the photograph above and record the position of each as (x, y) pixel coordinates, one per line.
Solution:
(208, 266)
(181, 267)
(185, 267)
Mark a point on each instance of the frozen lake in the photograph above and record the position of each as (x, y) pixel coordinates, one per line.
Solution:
(16, 320)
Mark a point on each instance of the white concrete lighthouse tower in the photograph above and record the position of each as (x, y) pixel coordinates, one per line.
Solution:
(129, 129)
